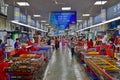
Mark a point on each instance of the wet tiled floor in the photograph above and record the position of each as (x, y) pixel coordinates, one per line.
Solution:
(63, 67)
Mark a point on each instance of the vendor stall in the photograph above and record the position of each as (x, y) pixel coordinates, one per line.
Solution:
(25, 67)
(102, 68)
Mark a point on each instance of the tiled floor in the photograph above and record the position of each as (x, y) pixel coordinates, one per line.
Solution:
(63, 67)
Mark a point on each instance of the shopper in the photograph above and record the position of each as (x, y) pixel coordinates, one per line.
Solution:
(53, 43)
(72, 47)
(56, 43)
(48, 41)
(10, 42)
(17, 44)
(63, 42)
(111, 45)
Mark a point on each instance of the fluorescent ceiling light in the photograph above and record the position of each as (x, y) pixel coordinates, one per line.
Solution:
(43, 21)
(99, 24)
(15, 22)
(49, 26)
(100, 2)
(79, 20)
(46, 24)
(86, 15)
(23, 3)
(37, 15)
(66, 8)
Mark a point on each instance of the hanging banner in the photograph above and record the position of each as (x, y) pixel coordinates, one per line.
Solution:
(17, 14)
(23, 18)
(33, 23)
(103, 15)
(80, 26)
(97, 19)
(90, 21)
(29, 19)
(85, 24)
(37, 24)
(113, 11)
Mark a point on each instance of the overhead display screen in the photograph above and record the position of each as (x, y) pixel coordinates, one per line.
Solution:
(61, 31)
(62, 19)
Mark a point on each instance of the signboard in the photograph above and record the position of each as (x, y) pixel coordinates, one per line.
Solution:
(37, 24)
(23, 18)
(33, 23)
(61, 31)
(103, 15)
(113, 11)
(80, 26)
(63, 18)
(29, 19)
(97, 19)
(17, 14)
(90, 21)
(41, 26)
(85, 24)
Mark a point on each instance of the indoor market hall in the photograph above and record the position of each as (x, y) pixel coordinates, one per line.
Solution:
(59, 39)
(63, 66)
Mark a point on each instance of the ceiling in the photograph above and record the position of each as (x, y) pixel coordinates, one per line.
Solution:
(44, 7)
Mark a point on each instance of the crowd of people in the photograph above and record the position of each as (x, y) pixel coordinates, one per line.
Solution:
(71, 42)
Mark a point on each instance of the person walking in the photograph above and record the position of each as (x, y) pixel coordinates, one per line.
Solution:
(63, 42)
(53, 43)
(72, 47)
(56, 43)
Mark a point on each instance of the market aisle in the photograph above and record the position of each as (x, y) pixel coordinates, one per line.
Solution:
(62, 67)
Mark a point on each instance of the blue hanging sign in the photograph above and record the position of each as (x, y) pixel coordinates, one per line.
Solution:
(113, 11)
(97, 19)
(23, 18)
(33, 23)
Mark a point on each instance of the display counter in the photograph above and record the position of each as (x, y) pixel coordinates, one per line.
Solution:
(102, 67)
(25, 67)
(83, 53)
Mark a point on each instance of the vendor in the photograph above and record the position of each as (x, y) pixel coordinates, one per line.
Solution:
(90, 44)
(30, 41)
(10, 42)
(17, 44)
(2, 47)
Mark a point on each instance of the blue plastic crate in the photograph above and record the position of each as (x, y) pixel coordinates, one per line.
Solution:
(92, 77)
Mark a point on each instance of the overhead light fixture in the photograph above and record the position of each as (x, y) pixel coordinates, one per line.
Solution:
(100, 2)
(79, 20)
(49, 26)
(99, 24)
(37, 15)
(86, 15)
(32, 27)
(23, 3)
(43, 21)
(66, 8)
(46, 24)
